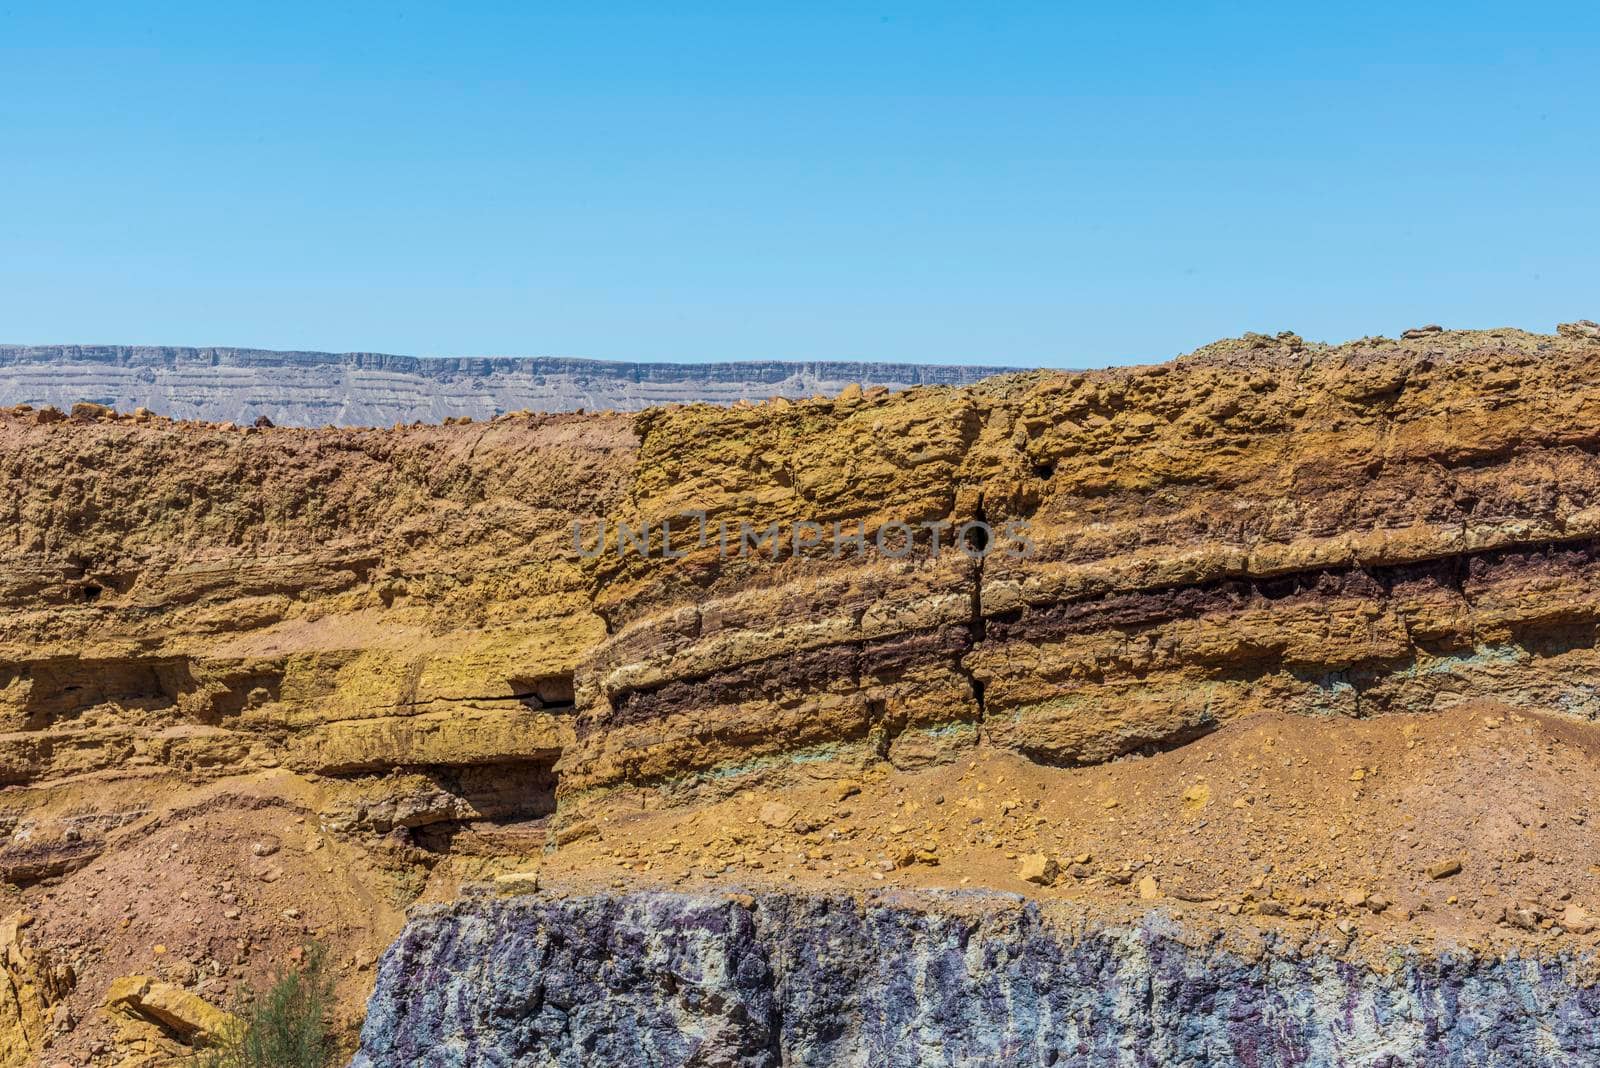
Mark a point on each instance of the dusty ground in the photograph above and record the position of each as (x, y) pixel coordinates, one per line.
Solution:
(212, 894)
(1285, 820)
(1328, 829)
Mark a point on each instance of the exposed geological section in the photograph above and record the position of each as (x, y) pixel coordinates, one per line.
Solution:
(379, 659)
(225, 652)
(940, 979)
(375, 389)
(1264, 524)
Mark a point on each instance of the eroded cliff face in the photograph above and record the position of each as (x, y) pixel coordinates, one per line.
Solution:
(233, 661)
(1298, 627)
(1385, 527)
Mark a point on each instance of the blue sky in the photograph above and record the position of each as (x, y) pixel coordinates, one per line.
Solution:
(1040, 184)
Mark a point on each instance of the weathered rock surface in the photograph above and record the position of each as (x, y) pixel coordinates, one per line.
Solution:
(190, 1018)
(1387, 526)
(832, 980)
(1295, 621)
(374, 389)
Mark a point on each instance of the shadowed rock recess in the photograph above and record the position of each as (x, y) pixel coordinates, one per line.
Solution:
(1263, 733)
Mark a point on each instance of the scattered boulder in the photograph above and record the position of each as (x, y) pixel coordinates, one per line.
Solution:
(1582, 330)
(1039, 869)
(517, 882)
(189, 1017)
(90, 410)
(1443, 869)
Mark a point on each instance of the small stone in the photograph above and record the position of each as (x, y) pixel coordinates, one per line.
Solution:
(1358, 774)
(1149, 889)
(1038, 868)
(1444, 869)
(1354, 897)
(260, 849)
(517, 882)
(573, 832)
(1524, 915)
(1577, 919)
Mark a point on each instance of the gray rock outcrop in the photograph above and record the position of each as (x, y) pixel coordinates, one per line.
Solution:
(761, 981)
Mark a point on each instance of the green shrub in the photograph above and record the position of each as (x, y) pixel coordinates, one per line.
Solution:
(288, 1026)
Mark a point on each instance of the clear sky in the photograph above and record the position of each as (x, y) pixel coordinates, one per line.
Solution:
(1024, 183)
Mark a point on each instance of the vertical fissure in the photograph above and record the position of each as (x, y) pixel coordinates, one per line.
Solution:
(977, 625)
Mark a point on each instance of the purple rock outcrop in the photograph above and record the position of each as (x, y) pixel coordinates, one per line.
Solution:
(740, 981)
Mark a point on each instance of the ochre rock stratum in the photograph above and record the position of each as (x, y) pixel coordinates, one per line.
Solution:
(377, 663)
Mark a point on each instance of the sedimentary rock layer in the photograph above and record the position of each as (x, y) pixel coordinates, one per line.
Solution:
(1386, 526)
(1383, 527)
(397, 630)
(945, 979)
